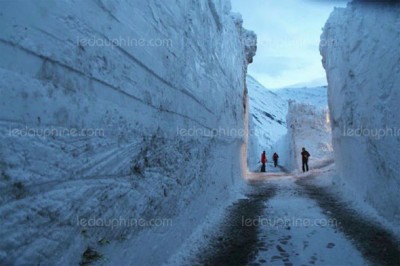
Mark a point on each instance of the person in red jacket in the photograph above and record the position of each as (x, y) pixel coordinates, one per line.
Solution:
(263, 161)
(275, 158)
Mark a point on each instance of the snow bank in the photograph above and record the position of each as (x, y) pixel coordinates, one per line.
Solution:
(109, 112)
(362, 65)
(309, 127)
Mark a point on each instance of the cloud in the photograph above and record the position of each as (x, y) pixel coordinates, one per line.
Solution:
(276, 66)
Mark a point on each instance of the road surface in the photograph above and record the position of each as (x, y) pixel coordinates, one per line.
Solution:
(290, 221)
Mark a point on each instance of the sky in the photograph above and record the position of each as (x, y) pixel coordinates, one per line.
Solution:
(288, 36)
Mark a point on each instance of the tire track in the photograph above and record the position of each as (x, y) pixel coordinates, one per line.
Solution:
(376, 244)
(234, 243)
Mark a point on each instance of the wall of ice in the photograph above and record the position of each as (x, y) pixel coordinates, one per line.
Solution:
(107, 109)
(360, 49)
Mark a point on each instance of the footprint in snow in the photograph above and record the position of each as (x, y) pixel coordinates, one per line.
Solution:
(305, 244)
(313, 259)
(330, 245)
(275, 258)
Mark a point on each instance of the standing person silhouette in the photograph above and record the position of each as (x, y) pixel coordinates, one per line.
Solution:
(304, 159)
(263, 161)
(275, 158)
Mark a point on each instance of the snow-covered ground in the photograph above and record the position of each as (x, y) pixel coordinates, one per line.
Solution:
(363, 73)
(295, 230)
(107, 108)
(293, 220)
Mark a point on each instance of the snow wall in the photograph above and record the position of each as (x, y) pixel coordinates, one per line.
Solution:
(360, 49)
(115, 109)
(308, 126)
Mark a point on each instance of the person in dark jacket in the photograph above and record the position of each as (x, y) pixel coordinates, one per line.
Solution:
(275, 158)
(304, 158)
(263, 161)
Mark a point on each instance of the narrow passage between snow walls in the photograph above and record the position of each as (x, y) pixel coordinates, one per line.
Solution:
(345, 210)
(354, 143)
(358, 129)
(109, 154)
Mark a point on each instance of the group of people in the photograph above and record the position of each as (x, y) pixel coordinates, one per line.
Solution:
(304, 159)
(264, 160)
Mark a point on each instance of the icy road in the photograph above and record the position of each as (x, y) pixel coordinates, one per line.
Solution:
(286, 220)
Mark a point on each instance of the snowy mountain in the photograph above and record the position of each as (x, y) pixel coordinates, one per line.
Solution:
(316, 96)
(363, 74)
(320, 82)
(106, 110)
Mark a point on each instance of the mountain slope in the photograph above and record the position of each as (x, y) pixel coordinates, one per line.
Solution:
(316, 96)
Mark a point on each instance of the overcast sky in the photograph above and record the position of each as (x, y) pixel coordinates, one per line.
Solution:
(288, 33)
